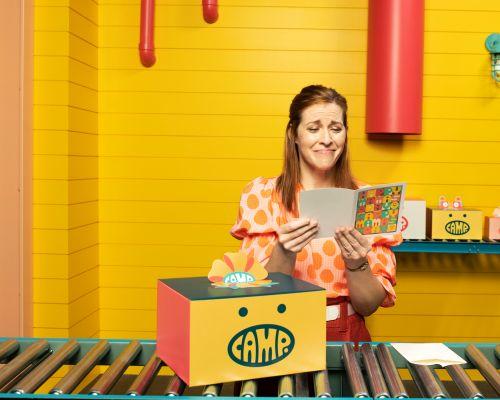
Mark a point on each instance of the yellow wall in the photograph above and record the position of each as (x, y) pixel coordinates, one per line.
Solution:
(177, 143)
(66, 296)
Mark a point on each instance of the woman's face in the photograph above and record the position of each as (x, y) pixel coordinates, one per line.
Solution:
(321, 136)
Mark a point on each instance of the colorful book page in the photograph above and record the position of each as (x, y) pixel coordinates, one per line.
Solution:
(378, 209)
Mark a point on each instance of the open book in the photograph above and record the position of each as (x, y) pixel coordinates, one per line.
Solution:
(371, 210)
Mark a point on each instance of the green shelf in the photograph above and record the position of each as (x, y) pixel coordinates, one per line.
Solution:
(448, 246)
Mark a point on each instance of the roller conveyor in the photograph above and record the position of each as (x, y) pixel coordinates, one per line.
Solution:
(365, 371)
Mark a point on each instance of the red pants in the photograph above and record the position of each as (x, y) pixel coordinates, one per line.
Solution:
(346, 328)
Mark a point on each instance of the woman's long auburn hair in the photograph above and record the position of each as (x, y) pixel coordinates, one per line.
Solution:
(288, 181)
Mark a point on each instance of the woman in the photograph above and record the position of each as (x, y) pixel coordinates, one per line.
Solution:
(357, 273)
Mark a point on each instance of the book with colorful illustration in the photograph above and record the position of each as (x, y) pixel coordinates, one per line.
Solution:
(371, 209)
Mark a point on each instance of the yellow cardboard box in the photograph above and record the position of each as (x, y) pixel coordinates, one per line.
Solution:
(210, 334)
(455, 224)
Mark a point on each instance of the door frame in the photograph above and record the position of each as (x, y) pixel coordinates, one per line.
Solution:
(16, 144)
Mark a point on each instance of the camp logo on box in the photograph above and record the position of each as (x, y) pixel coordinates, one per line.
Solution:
(457, 227)
(261, 345)
(238, 271)
(238, 277)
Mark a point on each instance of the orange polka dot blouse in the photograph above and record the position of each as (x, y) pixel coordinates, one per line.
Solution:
(319, 262)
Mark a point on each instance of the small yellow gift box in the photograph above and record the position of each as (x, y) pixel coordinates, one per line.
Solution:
(455, 224)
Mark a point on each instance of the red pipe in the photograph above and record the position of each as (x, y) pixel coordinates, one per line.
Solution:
(395, 66)
(210, 11)
(146, 45)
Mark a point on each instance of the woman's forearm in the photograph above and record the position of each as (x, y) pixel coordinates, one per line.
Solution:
(365, 291)
(281, 260)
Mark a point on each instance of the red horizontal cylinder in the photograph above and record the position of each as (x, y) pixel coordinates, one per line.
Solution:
(146, 44)
(395, 66)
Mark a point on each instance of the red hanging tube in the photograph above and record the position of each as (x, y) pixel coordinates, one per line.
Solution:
(394, 66)
(146, 45)
(210, 11)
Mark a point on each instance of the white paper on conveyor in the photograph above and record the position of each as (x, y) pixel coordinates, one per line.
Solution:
(428, 353)
(332, 208)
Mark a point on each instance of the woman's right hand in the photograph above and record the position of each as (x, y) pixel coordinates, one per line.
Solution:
(296, 234)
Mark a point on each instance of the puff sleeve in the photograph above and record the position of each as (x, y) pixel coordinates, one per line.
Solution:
(257, 219)
(383, 264)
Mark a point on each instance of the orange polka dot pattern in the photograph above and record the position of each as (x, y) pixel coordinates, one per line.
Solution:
(320, 262)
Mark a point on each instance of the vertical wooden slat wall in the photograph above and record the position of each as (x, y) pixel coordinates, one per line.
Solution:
(66, 296)
(178, 142)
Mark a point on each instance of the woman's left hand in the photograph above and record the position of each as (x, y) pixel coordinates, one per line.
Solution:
(353, 246)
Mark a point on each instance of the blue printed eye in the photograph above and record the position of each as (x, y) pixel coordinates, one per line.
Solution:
(243, 311)
(281, 308)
